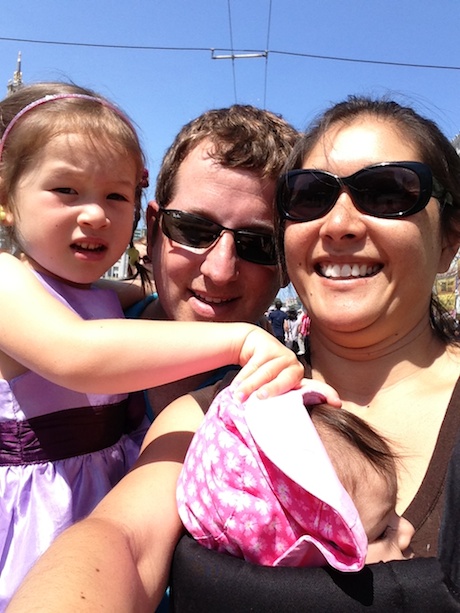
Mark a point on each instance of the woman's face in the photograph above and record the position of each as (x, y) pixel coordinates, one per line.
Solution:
(395, 260)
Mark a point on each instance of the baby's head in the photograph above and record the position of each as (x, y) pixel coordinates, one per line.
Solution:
(33, 115)
(364, 463)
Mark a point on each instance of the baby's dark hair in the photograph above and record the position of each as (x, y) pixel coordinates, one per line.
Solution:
(352, 444)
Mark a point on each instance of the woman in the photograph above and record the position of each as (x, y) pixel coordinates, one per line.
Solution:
(362, 252)
(370, 209)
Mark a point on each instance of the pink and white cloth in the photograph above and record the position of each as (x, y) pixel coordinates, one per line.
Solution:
(257, 483)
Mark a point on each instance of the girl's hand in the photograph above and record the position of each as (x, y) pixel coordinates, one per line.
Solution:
(269, 367)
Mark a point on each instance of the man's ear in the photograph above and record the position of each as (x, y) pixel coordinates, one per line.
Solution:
(151, 217)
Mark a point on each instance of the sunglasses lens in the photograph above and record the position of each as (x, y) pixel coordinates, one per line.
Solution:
(388, 191)
(308, 195)
(256, 248)
(200, 233)
(188, 230)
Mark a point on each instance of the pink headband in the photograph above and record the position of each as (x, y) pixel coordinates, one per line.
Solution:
(50, 98)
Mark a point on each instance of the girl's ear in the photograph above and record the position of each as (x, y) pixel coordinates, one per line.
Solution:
(6, 217)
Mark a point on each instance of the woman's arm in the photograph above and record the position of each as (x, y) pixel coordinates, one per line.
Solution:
(117, 355)
(118, 559)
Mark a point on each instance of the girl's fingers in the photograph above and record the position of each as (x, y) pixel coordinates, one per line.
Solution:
(272, 378)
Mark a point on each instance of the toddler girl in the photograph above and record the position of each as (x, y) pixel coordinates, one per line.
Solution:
(71, 177)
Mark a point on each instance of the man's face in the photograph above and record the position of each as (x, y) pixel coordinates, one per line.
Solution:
(214, 284)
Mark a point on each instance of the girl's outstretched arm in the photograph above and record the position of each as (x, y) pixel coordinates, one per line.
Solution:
(109, 356)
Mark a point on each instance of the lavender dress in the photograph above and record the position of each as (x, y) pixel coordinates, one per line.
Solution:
(60, 451)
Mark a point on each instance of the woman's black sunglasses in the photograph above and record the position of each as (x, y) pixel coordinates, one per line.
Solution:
(200, 233)
(390, 190)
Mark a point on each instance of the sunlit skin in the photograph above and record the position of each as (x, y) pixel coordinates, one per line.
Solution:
(74, 209)
(389, 535)
(214, 284)
(368, 312)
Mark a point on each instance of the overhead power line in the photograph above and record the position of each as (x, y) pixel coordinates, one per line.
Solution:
(232, 55)
(234, 52)
(267, 45)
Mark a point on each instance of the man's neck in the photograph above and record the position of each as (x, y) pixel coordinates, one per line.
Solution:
(161, 396)
(154, 311)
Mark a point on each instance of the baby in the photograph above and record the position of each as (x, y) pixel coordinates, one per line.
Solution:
(279, 485)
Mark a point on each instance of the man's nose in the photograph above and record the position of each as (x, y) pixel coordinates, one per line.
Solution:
(220, 262)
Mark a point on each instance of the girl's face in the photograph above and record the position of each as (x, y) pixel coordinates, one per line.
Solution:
(73, 209)
(397, 259)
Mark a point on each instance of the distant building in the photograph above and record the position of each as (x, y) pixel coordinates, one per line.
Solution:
(120, 270)
(13, 85)
(16, 82)
(456, 143)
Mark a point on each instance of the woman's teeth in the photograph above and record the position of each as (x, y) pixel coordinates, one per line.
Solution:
(345, 271)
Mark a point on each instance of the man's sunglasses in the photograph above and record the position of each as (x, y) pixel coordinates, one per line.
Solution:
(390, 190)
(201, 233)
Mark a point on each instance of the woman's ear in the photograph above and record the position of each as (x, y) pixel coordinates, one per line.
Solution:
(448, 252)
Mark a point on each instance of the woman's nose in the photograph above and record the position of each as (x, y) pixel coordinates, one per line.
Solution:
(343, 220)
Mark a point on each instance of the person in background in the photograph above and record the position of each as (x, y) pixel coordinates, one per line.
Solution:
(277, 318)
(291, 325)
(303, 332)
(210, 234)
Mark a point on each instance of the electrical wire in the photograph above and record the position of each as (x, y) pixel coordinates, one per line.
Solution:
(232, 50)
(266, 48)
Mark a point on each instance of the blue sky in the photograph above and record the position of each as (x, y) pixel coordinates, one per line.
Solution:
(161, 89)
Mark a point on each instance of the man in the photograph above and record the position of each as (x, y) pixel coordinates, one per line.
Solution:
(222, 168)
(277, 318)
